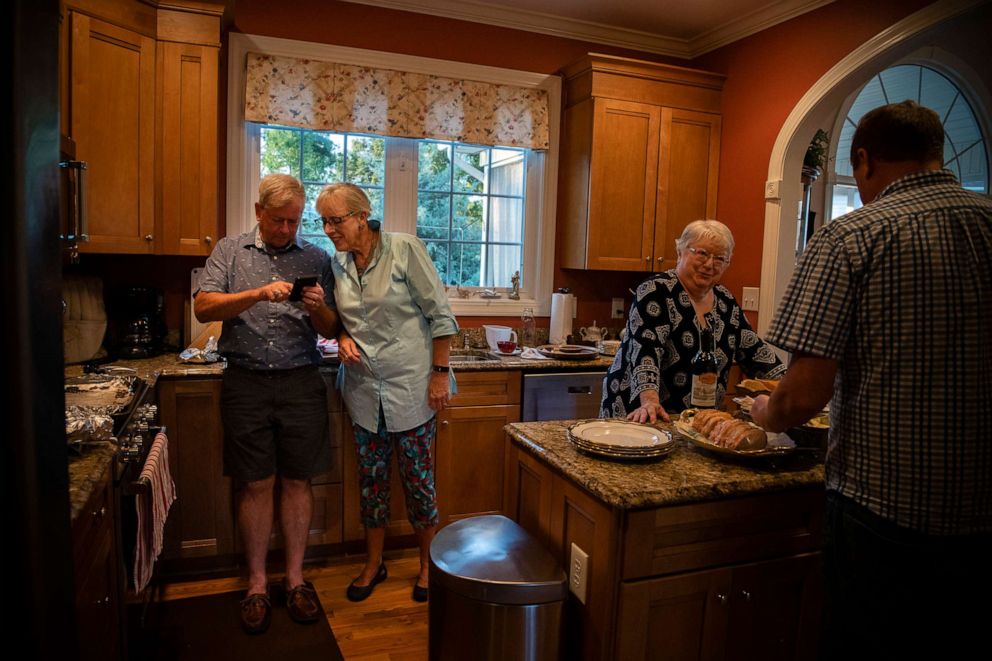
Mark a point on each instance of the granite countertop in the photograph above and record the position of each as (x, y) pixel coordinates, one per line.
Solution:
(85, 471)
(687, 474)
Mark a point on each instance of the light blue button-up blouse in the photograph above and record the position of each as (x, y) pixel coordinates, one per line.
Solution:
(393, 312)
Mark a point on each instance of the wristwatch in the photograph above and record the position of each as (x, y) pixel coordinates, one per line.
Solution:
(440, 368)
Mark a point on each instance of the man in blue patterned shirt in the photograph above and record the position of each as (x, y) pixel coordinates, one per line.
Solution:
(273, 400)
(890, 314)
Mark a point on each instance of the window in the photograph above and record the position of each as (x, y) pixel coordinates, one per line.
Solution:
(484, 212)
(965, 148)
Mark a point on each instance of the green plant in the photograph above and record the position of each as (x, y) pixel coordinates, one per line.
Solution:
(816, 153)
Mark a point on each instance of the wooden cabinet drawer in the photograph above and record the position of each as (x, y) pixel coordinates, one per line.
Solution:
(93, 522)
(680, 538)
(487, 388)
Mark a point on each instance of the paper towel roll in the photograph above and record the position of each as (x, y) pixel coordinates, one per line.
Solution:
(562, 309)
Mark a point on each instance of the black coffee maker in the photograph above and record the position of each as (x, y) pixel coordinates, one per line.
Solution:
(136, 320)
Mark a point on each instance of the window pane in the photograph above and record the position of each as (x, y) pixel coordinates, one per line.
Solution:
(470, 172)
(311, 220)
(901, 83)
(377, 199)
(507, 176)
(322, 156)
(433, 215)
(438, 252)
(960, 128)
(466, 260)
(506, 219)
(469, 222)
(500, 265)
(280, 152)
(842, 161)
(366, 160)
(870, 97)
(975, 169)
(434, 166)
(845, 200)
(938, 93)
(321, 241)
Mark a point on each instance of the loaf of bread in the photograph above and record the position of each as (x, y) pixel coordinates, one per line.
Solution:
(724, 430)
(759, 385)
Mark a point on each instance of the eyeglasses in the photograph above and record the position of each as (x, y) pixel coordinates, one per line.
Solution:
(337, 220)
(704, 255)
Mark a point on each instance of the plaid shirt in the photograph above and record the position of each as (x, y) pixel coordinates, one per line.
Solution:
(899, 292)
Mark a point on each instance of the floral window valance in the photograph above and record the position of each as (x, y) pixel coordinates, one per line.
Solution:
(341, 97)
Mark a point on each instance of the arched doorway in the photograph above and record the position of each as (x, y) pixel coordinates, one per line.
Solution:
(818, 108)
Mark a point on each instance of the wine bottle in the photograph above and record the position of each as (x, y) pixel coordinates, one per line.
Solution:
(704, 373)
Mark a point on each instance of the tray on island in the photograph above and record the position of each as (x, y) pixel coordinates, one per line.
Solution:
(778, 444)
(569, 351)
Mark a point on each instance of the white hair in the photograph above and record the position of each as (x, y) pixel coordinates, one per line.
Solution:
(706, 229)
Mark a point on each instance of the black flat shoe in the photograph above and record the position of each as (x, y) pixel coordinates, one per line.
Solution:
(419, 593)
(361, 593)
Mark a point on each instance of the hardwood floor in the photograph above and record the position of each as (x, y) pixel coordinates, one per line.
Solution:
(388, 626)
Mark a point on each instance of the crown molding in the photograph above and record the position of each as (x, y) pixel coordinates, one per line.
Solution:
(567, 28)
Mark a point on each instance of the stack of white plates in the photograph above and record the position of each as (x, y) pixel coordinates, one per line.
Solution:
(619, 439)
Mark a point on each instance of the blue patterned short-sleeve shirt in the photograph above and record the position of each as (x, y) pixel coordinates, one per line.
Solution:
(267, 335)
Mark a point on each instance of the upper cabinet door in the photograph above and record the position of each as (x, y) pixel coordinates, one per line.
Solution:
(112, 118)
(187, 148)
(687, 182)
(622, 185)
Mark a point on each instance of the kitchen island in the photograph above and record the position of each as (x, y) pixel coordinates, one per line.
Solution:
(690, 556)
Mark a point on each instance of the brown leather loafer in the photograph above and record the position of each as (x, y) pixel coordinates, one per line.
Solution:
(256, 613)
(362, 592)
(302, 603)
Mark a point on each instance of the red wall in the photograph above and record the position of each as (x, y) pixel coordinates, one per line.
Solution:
(767, 74)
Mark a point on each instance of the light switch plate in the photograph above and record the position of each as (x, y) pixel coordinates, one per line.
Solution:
(749, 299)
(617, 308)
(578, 574)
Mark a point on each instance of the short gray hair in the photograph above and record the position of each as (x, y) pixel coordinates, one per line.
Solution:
(705, 229)
(278, 190)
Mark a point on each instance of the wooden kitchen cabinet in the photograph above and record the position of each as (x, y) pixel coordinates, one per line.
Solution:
(98, 575)
(640, 159)
(201, 521)
(139, 97)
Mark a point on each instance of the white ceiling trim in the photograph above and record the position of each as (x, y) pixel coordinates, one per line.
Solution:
(569, 28)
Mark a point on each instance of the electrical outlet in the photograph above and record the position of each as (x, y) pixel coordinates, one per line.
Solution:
(749, 299)
(617, 308)
(578, 574)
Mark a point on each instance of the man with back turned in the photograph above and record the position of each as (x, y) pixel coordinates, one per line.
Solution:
(273, 400)
(890, 314)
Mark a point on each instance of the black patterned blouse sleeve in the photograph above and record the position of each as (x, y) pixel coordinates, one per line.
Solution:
(649, 318)
(755, 356)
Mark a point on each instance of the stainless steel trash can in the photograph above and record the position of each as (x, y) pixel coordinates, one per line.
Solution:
(495, 594)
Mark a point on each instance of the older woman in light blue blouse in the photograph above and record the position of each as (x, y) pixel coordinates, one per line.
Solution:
(394, 374)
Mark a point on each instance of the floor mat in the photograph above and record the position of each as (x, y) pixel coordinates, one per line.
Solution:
(209, 627)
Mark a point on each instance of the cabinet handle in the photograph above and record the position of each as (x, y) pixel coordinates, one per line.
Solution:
(102, 602)
(444, 423)
(647, 258)
(100, 512)
(721, 597)
(149, 237)
(661, 259)
(208, 239)
(745, 595)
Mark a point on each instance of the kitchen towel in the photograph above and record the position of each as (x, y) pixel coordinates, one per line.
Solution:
(533, 354)
(153, 508)
(562, 308)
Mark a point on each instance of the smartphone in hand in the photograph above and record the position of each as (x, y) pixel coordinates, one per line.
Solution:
(299, 284)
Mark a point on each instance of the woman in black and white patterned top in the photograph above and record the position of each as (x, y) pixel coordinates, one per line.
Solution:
(651, 374)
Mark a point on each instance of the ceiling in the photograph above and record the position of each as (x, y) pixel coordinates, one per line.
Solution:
(677, 28)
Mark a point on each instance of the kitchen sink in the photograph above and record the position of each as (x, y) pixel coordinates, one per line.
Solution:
(471, 358)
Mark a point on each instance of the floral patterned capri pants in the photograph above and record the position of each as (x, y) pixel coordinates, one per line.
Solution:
(374, 450)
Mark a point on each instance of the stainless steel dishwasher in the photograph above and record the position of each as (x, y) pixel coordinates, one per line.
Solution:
(562, 395)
